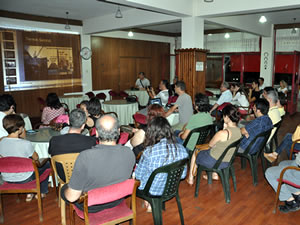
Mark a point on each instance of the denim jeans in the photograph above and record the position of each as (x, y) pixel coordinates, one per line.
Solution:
(286, 144)
(44, 183)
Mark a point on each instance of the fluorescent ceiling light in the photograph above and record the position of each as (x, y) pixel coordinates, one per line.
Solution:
(130, 34)
(227, 35)
(262, 19)
(209, 34)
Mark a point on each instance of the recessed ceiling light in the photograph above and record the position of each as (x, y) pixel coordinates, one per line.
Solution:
(209, 34)
(208, 1)
(130, 34)
(227, 35)
(262, 19)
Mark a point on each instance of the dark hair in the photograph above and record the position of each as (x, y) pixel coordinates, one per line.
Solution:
(232, 112)
(52, 101)
(202, 103)
(77, 118)
(157, 129)
(261, 78)
(263, 105)
(155, 110)
(281, 98)
(142, 73)
(12, 123)
(180, 84)
(241, 89)
(269, 88)
(94, 107)
(6, 101)
(167, 85)
(112, 134)
(256, 82)
(84, 102)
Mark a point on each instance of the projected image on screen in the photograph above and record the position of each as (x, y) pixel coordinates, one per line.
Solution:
(39, 60)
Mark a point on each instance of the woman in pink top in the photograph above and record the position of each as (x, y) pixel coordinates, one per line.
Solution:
(53, 109)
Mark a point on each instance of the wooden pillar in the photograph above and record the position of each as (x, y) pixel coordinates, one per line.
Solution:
(191, 68)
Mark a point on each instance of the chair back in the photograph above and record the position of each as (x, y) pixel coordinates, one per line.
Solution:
(67, 161)
(202, 133)
(209, 93)
(16, 165)
(293, 149)
(113, 94)
(172, 99)
(265, 136)
(123, 138)
(90, 94)
(123, 94)
(235, 145)
(277, 126)
(110, 193)
(174, 172)
(221, 107)
(101, 96)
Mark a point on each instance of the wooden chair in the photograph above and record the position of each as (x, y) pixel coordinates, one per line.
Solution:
(223, 173)
(174, 172)
(102, 195)
(284, 181)
(293, 150)
(253, 158)
(67, 162)
(21, 165)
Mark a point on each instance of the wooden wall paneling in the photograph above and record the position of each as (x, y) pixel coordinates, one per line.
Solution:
(127, 73)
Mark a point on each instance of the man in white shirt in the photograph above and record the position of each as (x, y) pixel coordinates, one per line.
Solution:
(163, 94)
(142, 82)
(7, 106)
(226, 96)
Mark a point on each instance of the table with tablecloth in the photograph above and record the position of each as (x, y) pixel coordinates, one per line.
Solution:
(142, 95)
(73, 100)
(124, 110)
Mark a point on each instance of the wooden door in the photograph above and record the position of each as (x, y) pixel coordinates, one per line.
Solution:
(128, 74)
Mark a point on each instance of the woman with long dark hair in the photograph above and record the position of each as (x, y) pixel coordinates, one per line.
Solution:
(218, 144)
(161, 149)
(240, 97)
(53, 109)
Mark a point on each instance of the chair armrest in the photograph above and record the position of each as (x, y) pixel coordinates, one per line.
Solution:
(293, 148)
(285, 169)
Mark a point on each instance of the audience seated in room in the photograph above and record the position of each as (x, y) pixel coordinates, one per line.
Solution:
(226, 96)
(289, 194)
(260, 124)
(73, 141)
(103, 165)
(200, 119)
(218, 144)
(15, 145)
(183, 104)
(53, 109)
(7, 107)
(286, 145)
(161, 148)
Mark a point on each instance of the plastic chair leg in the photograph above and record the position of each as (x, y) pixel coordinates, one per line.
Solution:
(209, 177)
(156, 205)
(253, 164)
(179, 209)
(199, 172)
(243, 163)
(227, 185)
(232, 173)
(164, 206)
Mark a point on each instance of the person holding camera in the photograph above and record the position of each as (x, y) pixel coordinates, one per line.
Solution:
(142, 82)
(163, 94)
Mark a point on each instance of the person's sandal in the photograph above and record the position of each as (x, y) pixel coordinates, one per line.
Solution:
(290, 206)
(29, 197)
(42, 196)
(214, 177)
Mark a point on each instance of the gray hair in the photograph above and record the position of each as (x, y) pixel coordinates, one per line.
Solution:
(180, 84)
(225, 85)
(77, 118)
(273, 96)
(111, 134)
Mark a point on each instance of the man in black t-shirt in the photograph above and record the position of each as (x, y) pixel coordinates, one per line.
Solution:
(73, 141)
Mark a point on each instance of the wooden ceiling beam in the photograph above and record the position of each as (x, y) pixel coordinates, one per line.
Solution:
(46, 19)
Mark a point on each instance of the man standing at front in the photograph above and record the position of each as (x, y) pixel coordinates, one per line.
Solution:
(142, 82)
(103, 165)
(183, 104)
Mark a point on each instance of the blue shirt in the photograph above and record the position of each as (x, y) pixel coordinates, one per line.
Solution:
(255, 127)
(155, 157)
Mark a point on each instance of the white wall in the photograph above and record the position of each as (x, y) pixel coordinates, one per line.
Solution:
(286, 41)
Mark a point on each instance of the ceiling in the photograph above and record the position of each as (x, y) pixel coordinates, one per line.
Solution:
(85, 9)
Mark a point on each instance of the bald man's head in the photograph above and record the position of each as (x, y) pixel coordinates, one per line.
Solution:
(108, 128)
